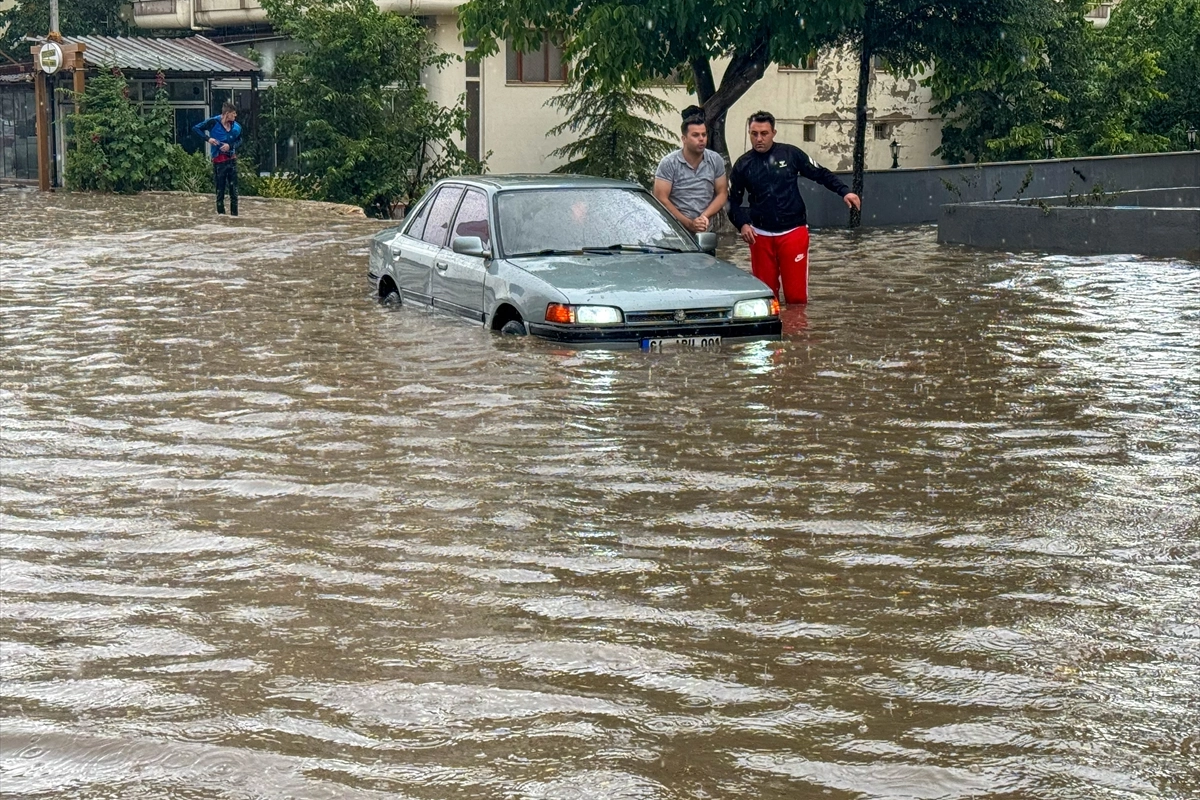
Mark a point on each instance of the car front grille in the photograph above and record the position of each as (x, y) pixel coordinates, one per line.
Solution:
(667, 317)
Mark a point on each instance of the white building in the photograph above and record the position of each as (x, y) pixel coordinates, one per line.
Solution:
(506, 93)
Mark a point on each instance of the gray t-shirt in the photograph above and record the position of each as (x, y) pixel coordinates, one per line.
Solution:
(691, 189)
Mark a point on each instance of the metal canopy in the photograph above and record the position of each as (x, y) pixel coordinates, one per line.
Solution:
(194, 54)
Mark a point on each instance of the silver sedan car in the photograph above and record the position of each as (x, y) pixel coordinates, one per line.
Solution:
(581, 261)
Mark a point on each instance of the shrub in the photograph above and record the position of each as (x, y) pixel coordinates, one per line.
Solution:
(281, 186)
(353, 95)
(114, 147)
(190, 172)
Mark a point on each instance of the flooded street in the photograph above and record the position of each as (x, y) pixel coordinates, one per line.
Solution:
(264, 538)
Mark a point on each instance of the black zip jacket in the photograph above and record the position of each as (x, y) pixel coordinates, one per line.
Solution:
(775, 202)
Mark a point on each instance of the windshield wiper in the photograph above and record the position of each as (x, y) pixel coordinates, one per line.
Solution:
(549, 251)
(633, 248)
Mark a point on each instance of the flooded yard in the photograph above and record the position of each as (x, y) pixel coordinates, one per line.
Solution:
(264, 538)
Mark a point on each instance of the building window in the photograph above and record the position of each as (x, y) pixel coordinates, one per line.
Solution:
(810, 131)
(544, 65)
(883, 130)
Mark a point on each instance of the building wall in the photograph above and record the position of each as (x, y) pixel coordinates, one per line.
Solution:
(916, 196)
(825, 97)
(516, 118)
(5, 5)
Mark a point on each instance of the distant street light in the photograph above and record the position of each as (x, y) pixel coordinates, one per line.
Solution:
(896, 150)
(1048, 143)
(1192, 138)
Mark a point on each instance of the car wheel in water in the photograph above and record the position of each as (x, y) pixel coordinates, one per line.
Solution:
(513, 328)
(390, 300)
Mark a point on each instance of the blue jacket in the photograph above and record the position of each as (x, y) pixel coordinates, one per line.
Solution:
(212, 128)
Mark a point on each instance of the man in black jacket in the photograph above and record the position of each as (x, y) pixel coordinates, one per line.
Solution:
(776, 223)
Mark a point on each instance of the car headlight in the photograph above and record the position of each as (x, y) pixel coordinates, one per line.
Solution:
(756, 309)
(583, 315)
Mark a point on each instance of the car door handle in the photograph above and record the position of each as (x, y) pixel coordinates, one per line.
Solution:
(441, 266)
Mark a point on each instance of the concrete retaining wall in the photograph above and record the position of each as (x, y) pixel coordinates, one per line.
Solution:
(1134, 224)
(915, 196)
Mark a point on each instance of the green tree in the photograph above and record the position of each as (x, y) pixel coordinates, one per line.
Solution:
(368, 131)
(609, 42)
(922, 36)
(1170, 28)
(614, 141)
(1001, 114)
(75, 18)
(113, 146)
(1092, 89)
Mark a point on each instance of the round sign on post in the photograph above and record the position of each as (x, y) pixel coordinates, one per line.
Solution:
(50, 57)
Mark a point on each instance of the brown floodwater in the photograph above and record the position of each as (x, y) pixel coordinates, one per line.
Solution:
(264, 538)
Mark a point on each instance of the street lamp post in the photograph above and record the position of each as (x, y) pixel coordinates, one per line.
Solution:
(1191, 134)
(1048, 143)
(895, 146)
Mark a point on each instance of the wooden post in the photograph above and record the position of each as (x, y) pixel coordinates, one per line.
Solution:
(72, 53)
(80, 70)
(43, 129)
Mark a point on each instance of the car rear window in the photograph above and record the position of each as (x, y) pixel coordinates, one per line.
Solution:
(440, 213)
(417, 226)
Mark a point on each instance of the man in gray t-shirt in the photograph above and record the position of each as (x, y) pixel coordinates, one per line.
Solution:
(690, 182)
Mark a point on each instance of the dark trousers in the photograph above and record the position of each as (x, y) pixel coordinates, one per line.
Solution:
(225, 176)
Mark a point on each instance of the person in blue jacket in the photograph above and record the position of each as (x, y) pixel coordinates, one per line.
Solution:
(224, 135)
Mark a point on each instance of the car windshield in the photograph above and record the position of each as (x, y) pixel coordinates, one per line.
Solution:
(544, 221)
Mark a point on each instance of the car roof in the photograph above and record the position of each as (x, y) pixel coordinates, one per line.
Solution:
(543, 181)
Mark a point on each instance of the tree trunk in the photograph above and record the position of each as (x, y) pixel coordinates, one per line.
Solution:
(860, 121)
(705, 88)
(744, 70)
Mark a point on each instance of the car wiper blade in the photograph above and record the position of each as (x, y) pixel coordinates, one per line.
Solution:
(549, 251)
(633, 248)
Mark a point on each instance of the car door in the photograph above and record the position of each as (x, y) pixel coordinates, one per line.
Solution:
(416, 253)
(458, 279)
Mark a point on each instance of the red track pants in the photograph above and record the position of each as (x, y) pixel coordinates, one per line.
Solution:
(785, 257)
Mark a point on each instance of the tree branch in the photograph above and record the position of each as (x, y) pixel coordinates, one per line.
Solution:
(706, 87)
(744, 70)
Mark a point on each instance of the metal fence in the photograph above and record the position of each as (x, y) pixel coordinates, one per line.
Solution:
(18, 133)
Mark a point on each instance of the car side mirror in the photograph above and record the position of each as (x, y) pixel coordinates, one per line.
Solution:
(470, 246)
(707, 242)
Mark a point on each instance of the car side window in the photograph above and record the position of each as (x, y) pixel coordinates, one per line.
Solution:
(417, 226)
(472, 217)
(440, 213)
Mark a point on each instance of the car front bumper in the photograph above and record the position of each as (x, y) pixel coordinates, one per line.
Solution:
(623, 336)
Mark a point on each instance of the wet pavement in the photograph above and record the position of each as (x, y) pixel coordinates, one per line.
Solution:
(264, 538)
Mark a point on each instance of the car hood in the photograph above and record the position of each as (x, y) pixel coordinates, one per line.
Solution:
(644, 282)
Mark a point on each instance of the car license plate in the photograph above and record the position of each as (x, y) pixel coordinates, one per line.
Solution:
(681, 343)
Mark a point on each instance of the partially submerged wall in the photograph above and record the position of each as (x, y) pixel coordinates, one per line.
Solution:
(1161, 223)
(915, 196)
